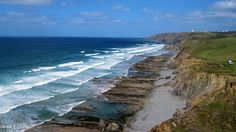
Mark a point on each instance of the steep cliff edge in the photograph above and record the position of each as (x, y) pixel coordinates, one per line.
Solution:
(172, 40)
(207, 81)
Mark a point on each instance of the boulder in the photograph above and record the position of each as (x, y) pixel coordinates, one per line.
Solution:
(113, 127)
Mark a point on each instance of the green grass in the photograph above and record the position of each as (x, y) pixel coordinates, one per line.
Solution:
(218, 115)
(215, 49)
(178, 130)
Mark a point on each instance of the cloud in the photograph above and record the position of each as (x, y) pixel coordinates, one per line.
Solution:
(157, 16)
(149, 11)
(22, 18)
(92, 14)
(218, 10)
(26, 2)
(120, 8)
(89, 18)
(49, 23)
(225, 5)
(78, 21)
(69, 3)
(218, 13)
(94, 18)
(119, 21)
(223, 9)
(63, 3)
(200, 15)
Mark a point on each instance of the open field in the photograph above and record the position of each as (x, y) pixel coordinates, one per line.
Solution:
(215, 49)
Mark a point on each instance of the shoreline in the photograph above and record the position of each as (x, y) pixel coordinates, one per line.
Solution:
(112, 109)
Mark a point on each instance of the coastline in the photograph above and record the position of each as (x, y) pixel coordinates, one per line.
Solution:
(115, 107)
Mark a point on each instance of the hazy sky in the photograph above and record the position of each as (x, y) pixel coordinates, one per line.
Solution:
(113, 18)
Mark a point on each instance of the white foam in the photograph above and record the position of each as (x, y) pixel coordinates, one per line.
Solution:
(98, 57)
(29, 82)
(9, 105)
(43, 68)
(6, 104)
(115, 51)
(130, 49)
(143, 49)
(61, 110)
(20, 81)
(92, 54)
(106, 52)
(70, 64)
(120, 55)
(82, 52)
(109, 63)
(26, 83)
(73, 72)
(65, 109)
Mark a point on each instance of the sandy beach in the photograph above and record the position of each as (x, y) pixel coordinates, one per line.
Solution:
(160, 106)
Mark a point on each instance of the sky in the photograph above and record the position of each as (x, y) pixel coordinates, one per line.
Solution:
(114, 18)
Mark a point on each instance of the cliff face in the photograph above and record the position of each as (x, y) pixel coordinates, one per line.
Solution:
(211, 102)
(211, 97)
(170, 38)
(198, 86)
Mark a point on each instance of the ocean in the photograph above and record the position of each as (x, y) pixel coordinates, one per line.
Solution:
(44, 77)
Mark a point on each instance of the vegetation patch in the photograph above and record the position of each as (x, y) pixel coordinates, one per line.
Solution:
(215, 49)
(219, 115)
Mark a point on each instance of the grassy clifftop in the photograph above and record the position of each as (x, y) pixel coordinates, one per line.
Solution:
(214, 49)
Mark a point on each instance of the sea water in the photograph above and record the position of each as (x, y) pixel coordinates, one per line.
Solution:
(43, 77)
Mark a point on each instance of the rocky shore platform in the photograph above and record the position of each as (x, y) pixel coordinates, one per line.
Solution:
(110, 111)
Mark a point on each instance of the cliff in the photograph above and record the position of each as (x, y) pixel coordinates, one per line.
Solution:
(208, 83)
(170, 38)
